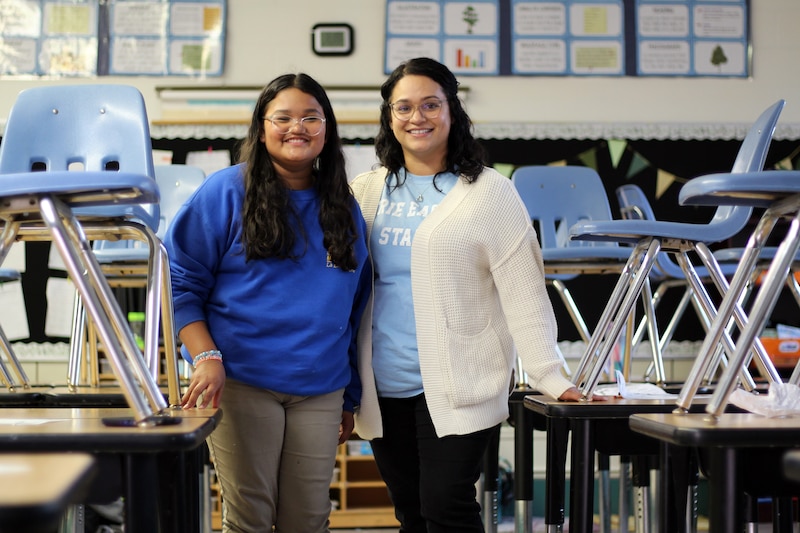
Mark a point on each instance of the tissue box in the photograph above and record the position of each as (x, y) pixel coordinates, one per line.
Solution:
(783, 352)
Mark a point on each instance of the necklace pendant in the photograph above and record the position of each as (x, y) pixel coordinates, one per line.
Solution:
(420, 198)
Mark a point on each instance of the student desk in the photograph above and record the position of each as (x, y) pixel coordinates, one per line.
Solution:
(153, 501)
(595, 426)
(38, 488)
(740, 451)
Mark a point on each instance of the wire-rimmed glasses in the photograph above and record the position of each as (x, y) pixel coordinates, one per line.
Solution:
(284, 123)
(428, 109)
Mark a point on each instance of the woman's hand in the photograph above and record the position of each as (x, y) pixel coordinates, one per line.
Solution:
(346, 427)
(208, 380)
(572, 394)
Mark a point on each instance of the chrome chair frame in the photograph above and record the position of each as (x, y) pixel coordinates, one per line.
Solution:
(680, 239)
(779, 192)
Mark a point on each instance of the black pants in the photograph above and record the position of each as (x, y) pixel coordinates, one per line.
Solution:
(431, 480)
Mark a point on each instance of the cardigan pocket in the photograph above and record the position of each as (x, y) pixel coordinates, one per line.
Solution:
(474, 368)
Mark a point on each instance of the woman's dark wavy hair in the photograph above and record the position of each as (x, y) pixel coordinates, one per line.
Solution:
(465, 156)
(267, 214)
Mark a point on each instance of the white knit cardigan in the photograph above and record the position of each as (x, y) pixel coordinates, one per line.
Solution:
(479, 293)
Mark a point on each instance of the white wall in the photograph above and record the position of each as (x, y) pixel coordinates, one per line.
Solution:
(269, 37)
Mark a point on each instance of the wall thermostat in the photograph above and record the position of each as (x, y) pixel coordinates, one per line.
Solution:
(332, 39)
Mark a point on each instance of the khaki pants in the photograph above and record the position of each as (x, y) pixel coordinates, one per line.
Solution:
(274, 456)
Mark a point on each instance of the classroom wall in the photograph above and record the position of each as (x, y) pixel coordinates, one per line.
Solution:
(268, 38)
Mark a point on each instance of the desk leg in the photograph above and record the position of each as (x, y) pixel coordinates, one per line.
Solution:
(641, 485)
(523, 468)
(604, 491)
(625, 493)
(141, 497)
(677, 495)
(490, 475)
(725, 495)
(581, 490)
(556, 475)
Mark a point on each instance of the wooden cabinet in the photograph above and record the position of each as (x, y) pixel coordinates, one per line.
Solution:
(358, 495)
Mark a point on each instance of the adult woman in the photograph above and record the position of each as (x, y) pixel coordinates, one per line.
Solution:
(269, 268)
(458, 286)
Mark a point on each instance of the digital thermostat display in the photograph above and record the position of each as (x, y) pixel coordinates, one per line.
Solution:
(332, 39)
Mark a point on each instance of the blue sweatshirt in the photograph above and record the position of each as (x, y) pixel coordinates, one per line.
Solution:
(284, 325)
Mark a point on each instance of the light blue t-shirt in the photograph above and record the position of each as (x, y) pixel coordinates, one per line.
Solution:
(395, 359)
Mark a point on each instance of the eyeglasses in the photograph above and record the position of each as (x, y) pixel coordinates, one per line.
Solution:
(284, 123)
(404, 111)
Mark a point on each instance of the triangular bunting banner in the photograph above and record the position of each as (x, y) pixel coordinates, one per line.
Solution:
(638, 163)
(589, 158)
(506, 169)
(616, 148)
(663, 182)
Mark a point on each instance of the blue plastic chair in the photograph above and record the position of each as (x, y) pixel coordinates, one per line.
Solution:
(634, 204)
(778, 192)
(680, 239)
(557, 197)
(127, 263)
(68, 148)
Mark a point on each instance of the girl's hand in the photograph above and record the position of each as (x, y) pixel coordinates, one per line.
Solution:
(208, 380)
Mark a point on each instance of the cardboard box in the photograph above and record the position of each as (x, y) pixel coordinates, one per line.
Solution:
(783, 352)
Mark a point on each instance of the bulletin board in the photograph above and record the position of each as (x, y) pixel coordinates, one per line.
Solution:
(81, 38)
(573, 37)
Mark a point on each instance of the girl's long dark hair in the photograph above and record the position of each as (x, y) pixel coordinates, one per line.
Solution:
(267, 230)
(465, 155)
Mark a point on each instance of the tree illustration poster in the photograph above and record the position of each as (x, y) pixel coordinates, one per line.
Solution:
(573, 37)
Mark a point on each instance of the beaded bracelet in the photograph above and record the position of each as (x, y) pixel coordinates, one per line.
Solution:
(215, 355)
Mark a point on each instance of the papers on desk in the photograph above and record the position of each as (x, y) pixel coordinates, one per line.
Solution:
(783, 399)
(28, 421)
(631, 391)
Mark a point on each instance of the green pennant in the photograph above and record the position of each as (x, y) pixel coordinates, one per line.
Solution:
(589, 158)
(506, 169)
(616, 147)
(638, 163)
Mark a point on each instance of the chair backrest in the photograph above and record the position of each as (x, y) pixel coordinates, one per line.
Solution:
(67, 129)
(176, 184)
(751, 157)
(557, 197)
(634, 205)
(78, 127)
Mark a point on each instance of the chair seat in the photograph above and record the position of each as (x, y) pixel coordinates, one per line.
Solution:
(83, 189)
(633, 231)
(755, 189)
(611, 254)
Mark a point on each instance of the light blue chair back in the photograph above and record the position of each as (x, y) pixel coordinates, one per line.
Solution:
(558, 197)
(176, 184)
(751, 157)
(47, 131)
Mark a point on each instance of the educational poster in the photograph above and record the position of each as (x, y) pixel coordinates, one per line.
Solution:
(85, 38)
(462, 35)
(166, 38)
(573, 37)
(48, 38)
(568, 38)
(692, 38)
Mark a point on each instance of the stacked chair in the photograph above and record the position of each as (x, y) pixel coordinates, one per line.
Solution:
(650, 237)
(556, 198)
(131, 263)
(76, 165)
